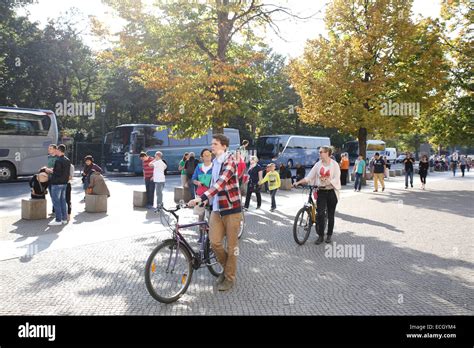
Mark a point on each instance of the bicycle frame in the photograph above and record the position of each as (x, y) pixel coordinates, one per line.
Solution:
(311, 203)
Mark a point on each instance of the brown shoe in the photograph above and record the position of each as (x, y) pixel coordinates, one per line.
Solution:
(225, 285)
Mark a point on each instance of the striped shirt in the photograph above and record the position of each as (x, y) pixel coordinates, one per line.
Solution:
(147, 170)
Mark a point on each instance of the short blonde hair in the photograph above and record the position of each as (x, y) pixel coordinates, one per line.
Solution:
(254, 158)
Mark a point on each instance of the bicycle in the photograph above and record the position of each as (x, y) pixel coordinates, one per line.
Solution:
(170, 266)
(306, 218)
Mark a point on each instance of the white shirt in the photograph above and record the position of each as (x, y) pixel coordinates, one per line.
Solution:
(216, 168)
(205, 169)
(334, 177)
(159, 170)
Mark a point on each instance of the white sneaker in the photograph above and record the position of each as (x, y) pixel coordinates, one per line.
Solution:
(64, 222)
(55, 223)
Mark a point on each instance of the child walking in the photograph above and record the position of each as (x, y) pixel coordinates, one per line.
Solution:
(273, 179)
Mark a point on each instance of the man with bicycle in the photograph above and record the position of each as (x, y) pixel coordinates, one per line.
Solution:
(224, 197)
(327, 176)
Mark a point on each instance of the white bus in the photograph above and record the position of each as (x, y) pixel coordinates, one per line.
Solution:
(373, 146)
(25, 135)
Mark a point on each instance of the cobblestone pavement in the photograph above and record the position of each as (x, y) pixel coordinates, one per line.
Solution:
(417, 257)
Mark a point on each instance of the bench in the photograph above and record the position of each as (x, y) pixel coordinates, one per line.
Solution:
(96, 203)
(182, 193)
(33, 209)
(139, 199)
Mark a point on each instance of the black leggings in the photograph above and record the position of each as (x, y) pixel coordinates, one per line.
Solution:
(327, 199)
(250, 189)
(423, 177)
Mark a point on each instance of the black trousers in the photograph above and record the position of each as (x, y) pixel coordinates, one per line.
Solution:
(423, 175)
(68, 198)
(250, 189)
(344, 173)
(327, 200)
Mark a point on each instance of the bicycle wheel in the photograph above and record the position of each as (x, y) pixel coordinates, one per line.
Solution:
(302, 225)
(168, 271)
(242, 225)
(212, 264)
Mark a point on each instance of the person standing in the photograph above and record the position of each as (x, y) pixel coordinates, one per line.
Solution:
(226, 215)
(202, 177)
(58, 183)
(148, 177)
(379, 172)
(454, 162)
(408, 162)
(241, 166)
(359, 172)
(326, 173)
(255, 175)
(463, 162)
(344, 169)
(159, 179)
(182, 163)
(273, 179)
(190, 167)
(51, 160)
(423, 168)
(69, 191)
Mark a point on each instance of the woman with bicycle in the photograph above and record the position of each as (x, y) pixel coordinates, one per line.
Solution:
(326, 174)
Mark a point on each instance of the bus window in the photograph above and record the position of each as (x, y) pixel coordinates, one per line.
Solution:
(24, 124)
(154, 137)
(180, 142)
(298, 143)
(267, 146)
(233, 135)
(376, 147)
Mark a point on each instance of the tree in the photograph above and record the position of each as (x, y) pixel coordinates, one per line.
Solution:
(374, 55)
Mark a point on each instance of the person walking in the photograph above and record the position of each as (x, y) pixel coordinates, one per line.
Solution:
(181, 168)
(378, 172)
(190, 167)
(344, 169)
(468, 163)
(359, 172)
(463, 162)
(148, 178)
(408, 162)
(159, 179)
(272, 177)
(226, 215)
(454, 162)
(326, 173)
(255, 175)
(244, 152)
(58, 183)
(423, 168)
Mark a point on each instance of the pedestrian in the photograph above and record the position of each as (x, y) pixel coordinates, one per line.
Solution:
(274, 183)
(39, 185)
(423, 168)
(244, 152)
(159, 179)
(202, 178)
(454, 162)
(97, 185)
(326, 173)
(285, 172)
(300, 172)
(148, 178)
(378, 172)
(184, 178)
(344, 164)
(58, 183)
(69, 191)
(89, 165)
(255, 175)
(463, 163)
(408, 162)
(190, 167)
(387, 168)
(468, 163)
(241, 166)
(51, 160)
(359, 172)
(226, 216)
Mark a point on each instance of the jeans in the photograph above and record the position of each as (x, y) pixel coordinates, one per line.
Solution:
(150, 191)
(273, 194)
(344, 173)
(455, 166)
(358, 181)
(409, 173)
(58, 194)
(250, 189)
(463, 168)
(159, 193)
(327, 200)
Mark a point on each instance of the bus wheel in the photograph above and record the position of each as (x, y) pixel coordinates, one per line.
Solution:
(7, 172)
(290, 164)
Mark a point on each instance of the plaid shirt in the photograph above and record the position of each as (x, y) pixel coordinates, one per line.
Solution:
(226, 188)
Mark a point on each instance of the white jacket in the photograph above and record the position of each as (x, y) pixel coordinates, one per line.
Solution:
(335, 178)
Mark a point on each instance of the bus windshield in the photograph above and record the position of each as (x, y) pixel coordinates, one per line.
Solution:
(267, 146)
(121, 139)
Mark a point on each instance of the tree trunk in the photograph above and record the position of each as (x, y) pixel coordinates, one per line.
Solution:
(362, 137)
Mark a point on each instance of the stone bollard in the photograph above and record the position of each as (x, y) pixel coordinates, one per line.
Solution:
(398, 172)
(391, 172)
(33, 209)
(181, 193)
(285, 184)
(96, 203)
(139, 199)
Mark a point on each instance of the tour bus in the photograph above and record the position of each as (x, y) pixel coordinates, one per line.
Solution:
(128, 140)
(290, 150)
(373, 146)
(25, 135)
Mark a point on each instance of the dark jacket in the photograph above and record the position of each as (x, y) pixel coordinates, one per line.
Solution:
(39, 189)
(253, 175)
(61, 171)
(423, 167)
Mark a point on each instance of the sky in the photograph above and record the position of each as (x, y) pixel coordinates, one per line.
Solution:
(293, 31)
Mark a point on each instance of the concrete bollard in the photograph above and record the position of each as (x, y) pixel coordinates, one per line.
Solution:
(285, 184)
(139, 199)
(181, 193)
(96, 203)
(33, 209)
(398, 172)
(391, 173)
